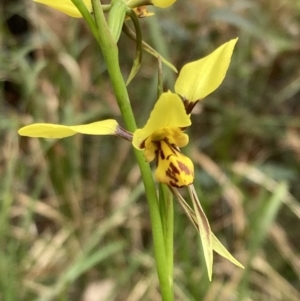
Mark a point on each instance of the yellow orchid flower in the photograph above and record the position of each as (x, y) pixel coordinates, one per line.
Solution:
(163, 135)
(66, 6)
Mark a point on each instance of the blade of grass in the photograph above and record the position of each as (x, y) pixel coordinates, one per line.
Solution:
(260, 225)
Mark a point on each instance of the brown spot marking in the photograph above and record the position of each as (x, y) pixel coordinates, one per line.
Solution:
(174, 168)
(142, 145)
(158, 152)
(171, 175)
(171, 172)
(174, 184)
(173, 149)
(184, 168)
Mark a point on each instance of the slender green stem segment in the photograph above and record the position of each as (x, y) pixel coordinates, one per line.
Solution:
(110, 54)
(166, 202)
(167, 216)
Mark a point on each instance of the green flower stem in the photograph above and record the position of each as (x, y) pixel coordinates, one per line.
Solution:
(169, 231)
(167, 218)
(166, 204)
(88, 18)
(110, 54)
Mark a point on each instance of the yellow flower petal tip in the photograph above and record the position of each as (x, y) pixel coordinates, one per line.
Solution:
(200, 78)
(162, 3)
(46, 130)
(57, 131)
(66, 6)
(168, 112)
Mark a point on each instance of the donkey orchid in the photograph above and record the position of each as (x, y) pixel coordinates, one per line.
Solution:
(163, 134)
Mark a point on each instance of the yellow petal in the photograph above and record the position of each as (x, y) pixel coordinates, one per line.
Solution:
(162, 3)
(170, 135)
(168, 111)
(49, 130)
(200, 78)
(66, 6)
(173, 168)
(150, 149)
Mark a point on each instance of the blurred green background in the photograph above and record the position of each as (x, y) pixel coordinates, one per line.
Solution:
(74, 222)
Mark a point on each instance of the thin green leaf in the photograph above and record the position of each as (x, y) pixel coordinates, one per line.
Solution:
(266, 215)
(138, 48)
(148, 48)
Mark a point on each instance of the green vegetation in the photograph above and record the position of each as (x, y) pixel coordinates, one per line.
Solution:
(74, 221)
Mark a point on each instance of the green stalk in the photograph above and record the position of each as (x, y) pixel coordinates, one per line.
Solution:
(169, 230)
(110, 54)
(166, 202)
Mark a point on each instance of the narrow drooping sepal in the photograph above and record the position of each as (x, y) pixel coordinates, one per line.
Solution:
(57, 131)
(204, 231)
(66, 6)
(217, 246)
(198, 79)
(221, 250)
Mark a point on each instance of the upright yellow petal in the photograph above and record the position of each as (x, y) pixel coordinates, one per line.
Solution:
(49, 130)
(198, 79)
(168, 112)
(66, 6)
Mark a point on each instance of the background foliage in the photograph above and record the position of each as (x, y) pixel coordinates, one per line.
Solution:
(73, 219)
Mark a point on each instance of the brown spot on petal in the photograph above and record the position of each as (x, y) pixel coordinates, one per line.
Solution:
(173, 168)
(184, 168)
(159, 152)
(172, 171)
